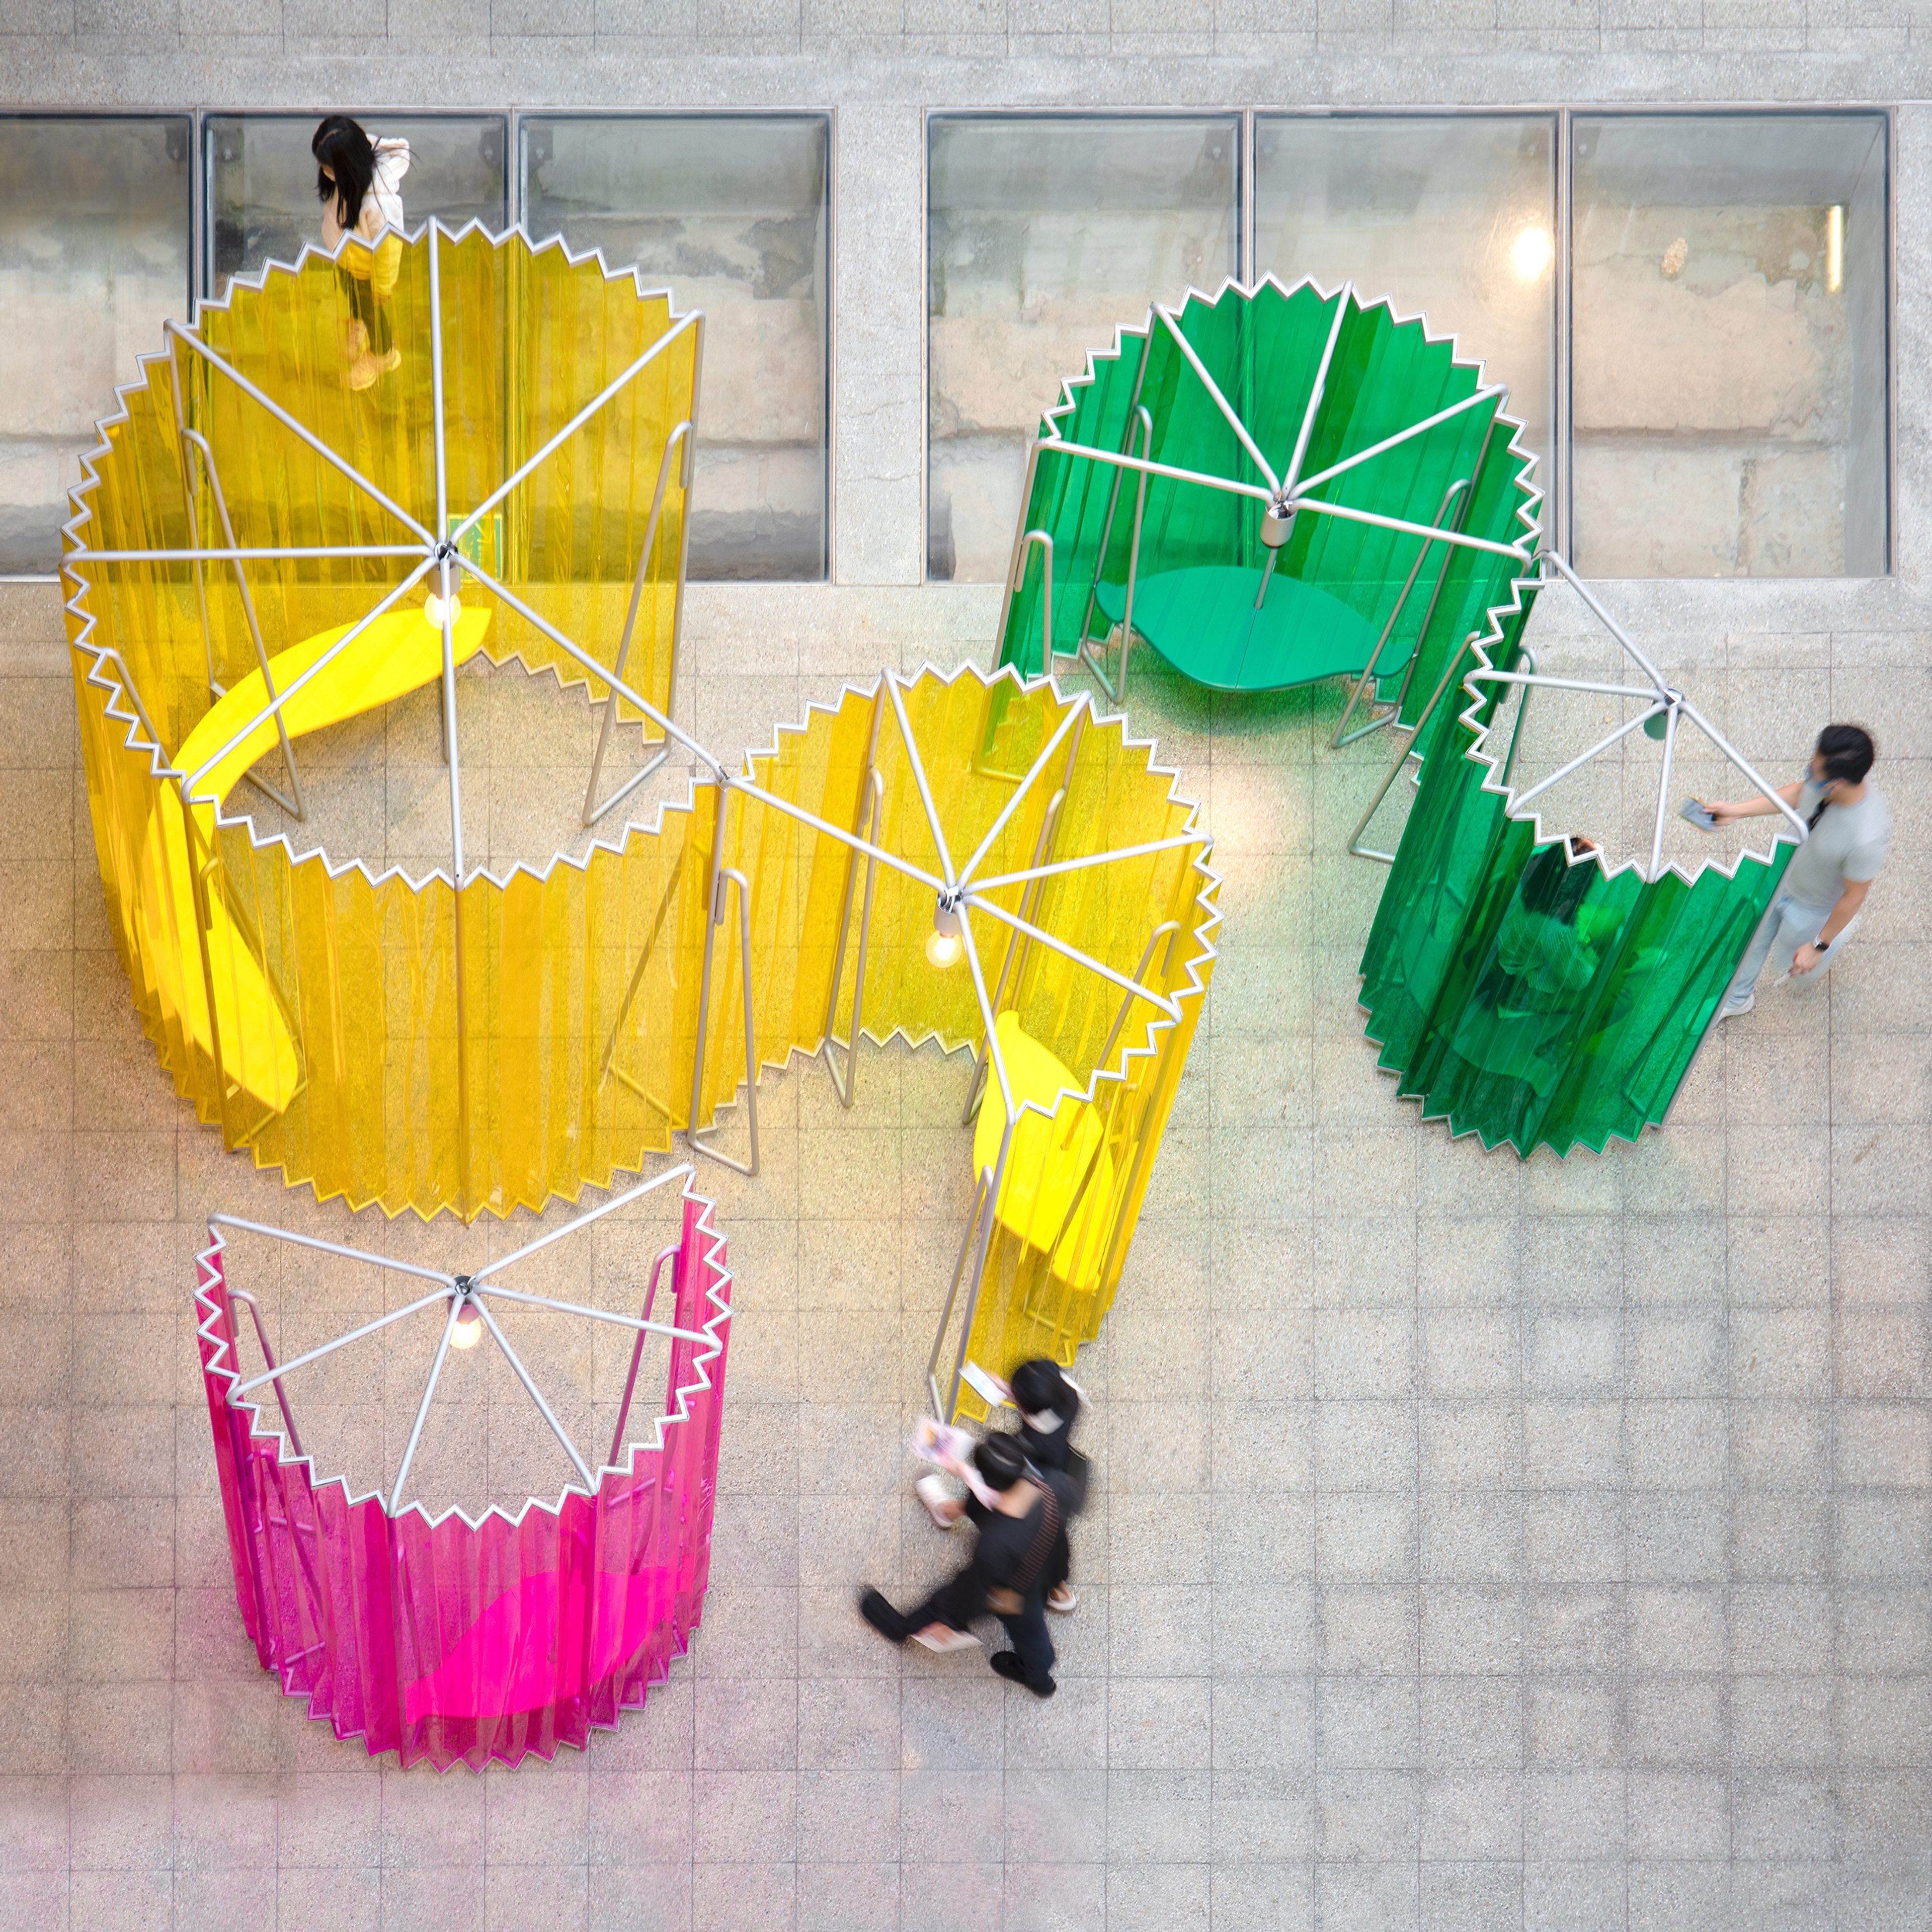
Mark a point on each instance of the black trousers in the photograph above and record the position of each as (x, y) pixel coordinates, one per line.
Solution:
(1032, 1645)
(373, 315)
(957, 1603)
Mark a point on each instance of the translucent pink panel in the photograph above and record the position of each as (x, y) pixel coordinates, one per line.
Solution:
(459, 1641)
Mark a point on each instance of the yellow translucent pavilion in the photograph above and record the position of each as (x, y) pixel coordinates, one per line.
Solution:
(261, 551)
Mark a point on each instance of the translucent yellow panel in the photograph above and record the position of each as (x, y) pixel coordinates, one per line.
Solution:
(312, 1009)
(397, 1041)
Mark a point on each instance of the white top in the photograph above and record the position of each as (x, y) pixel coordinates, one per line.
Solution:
(1848, 843)
(383, 206)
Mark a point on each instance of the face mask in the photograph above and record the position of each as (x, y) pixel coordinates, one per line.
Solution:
(1044, 1423)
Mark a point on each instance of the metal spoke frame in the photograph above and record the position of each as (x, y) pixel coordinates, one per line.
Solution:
(1659, 698)
(457, 1294)
(441, 554)
(1317, 394)
(1221, 402)
(1283, 497)
(438, 553)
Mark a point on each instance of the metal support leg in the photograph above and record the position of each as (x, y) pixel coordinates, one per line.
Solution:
(1135, 413)
(1356, 848)
(638, 1351)
(1026, 543)
(720, 876)
(609, 1066)
(980, 1202)
(591, 813)
(871, 803)
(1117, 695)
(1033, 449)
(1355, 696)
(294, 806)
(236, 1294)
(188, 492)
(977, 1275)
(1018, 945)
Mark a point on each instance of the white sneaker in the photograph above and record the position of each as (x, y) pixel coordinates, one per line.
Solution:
(1064, 1599)
(1738, 1012)
(931, 1491)
(951, 1639)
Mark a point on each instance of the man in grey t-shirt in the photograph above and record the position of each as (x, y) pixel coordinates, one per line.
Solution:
(1826, 883)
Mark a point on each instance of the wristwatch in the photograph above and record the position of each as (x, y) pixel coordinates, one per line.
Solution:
(1819, 945)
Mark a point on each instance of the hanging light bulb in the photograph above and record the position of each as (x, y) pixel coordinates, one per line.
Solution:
(469, 1329)
(434, 607)
(945, 945)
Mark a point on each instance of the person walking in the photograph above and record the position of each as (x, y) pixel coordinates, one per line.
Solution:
(1825, 885)
(1007, 1575)
(359, 184)
(1048, 1401)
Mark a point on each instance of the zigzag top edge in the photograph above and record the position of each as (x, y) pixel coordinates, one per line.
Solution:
(1476, 752)
(1521, 481)
(216, 1369)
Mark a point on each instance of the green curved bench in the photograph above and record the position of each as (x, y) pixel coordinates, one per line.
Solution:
(1349, 454)
(1203, 621)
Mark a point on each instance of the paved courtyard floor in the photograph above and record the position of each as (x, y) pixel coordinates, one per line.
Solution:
(1478, 1543)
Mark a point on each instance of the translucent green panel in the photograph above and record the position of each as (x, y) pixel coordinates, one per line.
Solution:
(1529, 999)
(1339, 583)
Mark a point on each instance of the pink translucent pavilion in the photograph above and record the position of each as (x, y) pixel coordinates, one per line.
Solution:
(459, 1641)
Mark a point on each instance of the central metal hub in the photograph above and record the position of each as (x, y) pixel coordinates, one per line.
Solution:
(1278, 525)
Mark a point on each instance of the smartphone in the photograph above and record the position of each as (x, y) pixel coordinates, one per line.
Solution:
(1699, 814)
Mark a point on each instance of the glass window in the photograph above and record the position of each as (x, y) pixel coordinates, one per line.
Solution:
(93, 257)
(1043, 235)
(262, 202)
(1728, 386)
(730, 213)
(1451, 216)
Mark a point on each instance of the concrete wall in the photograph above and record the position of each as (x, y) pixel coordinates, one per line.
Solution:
(879, 63)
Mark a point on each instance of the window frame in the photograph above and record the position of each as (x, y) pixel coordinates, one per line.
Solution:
(1837, 110)
(516, 185)
(1244, 250)
(191, 291)
(204, 174)
(1559, 509)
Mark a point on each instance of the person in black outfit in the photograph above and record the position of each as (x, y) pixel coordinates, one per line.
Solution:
(1008, 1573)
(1047, 1403)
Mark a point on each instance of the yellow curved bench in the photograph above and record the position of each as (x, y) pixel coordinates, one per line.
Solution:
(1059, 1164)
(400, 653)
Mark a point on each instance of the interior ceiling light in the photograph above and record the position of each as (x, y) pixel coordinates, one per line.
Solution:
(1530, 253)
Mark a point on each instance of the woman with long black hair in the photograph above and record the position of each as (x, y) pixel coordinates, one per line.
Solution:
(359, 183)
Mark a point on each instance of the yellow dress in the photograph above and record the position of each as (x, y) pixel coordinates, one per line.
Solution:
(381, 261)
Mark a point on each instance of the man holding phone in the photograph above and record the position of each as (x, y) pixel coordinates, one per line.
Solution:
(1826, 883)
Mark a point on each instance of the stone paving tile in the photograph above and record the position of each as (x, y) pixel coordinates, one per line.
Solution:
(1475, 1542)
